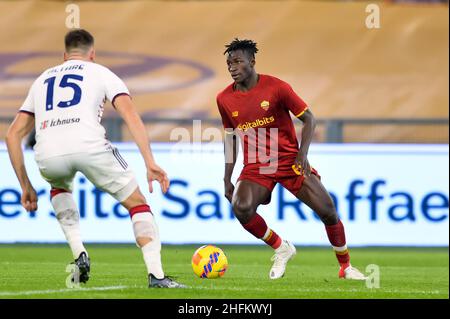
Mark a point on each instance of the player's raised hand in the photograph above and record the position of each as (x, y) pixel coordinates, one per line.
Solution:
(301, 165)
(29, 199)
(229, 190)
(157, 173)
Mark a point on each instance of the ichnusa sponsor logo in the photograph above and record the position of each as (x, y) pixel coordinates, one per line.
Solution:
(58, 122)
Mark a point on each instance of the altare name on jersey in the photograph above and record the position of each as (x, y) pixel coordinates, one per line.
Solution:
(66, 68)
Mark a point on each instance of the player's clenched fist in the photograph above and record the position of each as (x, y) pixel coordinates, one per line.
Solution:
(229, 190)
(29, 199)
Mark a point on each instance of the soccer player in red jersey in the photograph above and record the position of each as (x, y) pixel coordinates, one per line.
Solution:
(257, 107)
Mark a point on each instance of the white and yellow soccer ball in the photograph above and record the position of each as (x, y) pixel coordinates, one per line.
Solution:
(209, 262)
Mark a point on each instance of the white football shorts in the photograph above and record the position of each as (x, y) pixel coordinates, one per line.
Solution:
(107, 170)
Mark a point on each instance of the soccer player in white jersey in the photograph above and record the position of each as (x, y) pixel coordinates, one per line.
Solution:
(65, 106)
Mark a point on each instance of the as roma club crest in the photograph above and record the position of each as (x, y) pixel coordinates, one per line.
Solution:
(265, 105)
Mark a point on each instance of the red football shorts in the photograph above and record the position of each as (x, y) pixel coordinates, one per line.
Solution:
(284, 174)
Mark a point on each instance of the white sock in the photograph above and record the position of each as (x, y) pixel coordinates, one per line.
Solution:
(144, 225)
(69, 220)
(152, 258)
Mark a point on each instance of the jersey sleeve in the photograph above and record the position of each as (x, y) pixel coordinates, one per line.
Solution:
(226, 122)
(114, 86)
(291, 100)
(28, 104)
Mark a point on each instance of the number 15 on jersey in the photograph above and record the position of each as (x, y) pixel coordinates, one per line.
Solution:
(64, 83)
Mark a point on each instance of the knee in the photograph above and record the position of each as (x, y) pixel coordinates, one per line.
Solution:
(242, 208)
(139, 199)
(142, 241)
(68, 217)
(329, 214)
(145, 229)
(134, 200)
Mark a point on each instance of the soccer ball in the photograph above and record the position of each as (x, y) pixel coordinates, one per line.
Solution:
(209, 262)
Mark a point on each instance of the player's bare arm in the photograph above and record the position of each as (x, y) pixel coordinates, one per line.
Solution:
(231, 153)
(309, 125)
(127, 111)
(20, 127)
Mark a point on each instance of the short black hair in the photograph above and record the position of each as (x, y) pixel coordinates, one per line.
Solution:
(247, 46)
(78, 39)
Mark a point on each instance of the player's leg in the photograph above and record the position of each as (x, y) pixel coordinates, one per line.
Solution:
(313, 193)
(59, 173)
(147, 237)
(145, 231)
(109, 172)
(68, 217)
(247, 197)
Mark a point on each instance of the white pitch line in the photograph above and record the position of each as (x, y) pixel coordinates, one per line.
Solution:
(297, 290)
(300, 290)
(43, 292)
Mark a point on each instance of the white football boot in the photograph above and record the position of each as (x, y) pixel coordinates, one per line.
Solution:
(351, 273)
(283, 254)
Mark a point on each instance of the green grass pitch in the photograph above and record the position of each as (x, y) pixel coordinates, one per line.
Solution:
(118, 271)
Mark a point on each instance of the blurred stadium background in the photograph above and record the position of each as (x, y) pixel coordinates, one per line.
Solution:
(374, 92)
(386, 85)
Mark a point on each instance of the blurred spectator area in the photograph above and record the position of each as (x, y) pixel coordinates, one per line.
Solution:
(387, 84)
